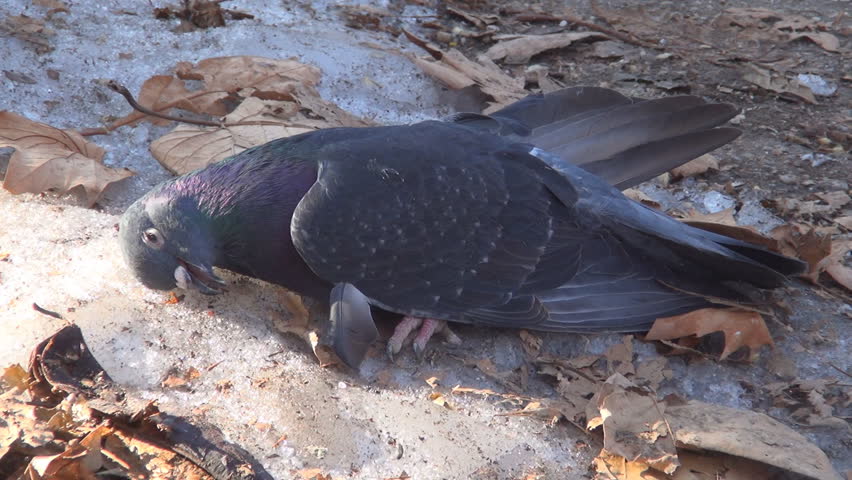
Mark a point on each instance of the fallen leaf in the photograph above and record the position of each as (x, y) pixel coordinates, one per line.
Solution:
(189, 147)
(741, 328)
(641, 197)
(846, 222)
(723, 217)
(457, 72)
(696, 167)
(228, 80)
(634, 424)
(438, 399)
(825, 40)
(835, 200)
(520, 48)
(747, 434)
(840, 274)
(810, 247)
(30, 30)
(47, 158)
(531, 343)
(173, 299)
(778, 83)
(14, 376)
(619, 357)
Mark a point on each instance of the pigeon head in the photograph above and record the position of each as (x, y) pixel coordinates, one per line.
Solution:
(167, 243)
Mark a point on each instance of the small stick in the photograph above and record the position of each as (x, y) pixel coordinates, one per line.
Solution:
(124, 92)
(47, 312)
(591, 26)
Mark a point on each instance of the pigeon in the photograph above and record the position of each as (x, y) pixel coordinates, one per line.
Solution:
(509, 220)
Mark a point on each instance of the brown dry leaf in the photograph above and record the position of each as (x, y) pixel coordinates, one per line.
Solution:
(634, 424)
(845, 221)
(47, 158)
(457, 72)
(51, 4)
(14, 376)
(840, 274)
(576, 381)
(810, 247)
(29, 29)
(269, 78)
(696, 167)
(835, 199)
(506, 397)
(188, 147)
(438, 399)
(641, 197)
(724, 217)
(741, 328)
(518, 49)
(531, 343)
(613, 467)
(651, 373)
(747, 434)
(241, 77)
(619, 357)
(825, 40)
(778, 83)
(173, 299)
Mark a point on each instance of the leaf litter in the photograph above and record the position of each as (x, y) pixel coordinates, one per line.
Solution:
(65, 419)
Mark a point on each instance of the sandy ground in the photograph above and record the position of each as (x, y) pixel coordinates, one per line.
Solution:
(375, 423)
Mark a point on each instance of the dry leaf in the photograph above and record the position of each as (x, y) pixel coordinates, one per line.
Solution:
(634, 424)
(741, 328)
(776, 82)
(47, 158)
(696, 167)
(641, 197)
(825, 40)
(747, 434)
(457, 72)
(619, 357)
(846, 222)
(520, 49)
(841, 274)
(241, 77)
(189, 147)
(836, 199)
(438, 399)
(269, 78)
(810, 247)
(531, 343)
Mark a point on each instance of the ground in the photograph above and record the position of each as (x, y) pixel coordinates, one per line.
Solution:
(259, 385)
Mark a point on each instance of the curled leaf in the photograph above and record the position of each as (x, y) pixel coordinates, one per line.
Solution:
(741, 328)
(47, 158)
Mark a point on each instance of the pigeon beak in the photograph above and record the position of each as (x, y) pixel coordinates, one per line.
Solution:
(198, 277)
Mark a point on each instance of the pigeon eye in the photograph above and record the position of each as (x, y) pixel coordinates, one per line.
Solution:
(152, 238)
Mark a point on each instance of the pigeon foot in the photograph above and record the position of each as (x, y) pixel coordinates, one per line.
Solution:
(428, 327)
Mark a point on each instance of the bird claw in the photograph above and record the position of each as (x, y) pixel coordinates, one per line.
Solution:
(405, 331)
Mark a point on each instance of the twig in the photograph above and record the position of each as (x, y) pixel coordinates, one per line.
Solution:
(124, 92)
(527, 17)
(47, 312)
(844, 372)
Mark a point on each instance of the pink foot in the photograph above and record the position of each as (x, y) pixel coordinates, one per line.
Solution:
(428, 327)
